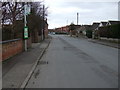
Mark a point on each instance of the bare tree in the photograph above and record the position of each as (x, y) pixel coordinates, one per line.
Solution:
(36, 18)
(11, 12)
(14, 11)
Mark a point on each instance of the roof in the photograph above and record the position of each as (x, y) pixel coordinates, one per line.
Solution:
(84, 27)
(95, 25)
(104, 23)
(114, 22)
(88, 27)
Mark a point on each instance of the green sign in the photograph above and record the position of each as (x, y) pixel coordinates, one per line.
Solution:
(25, 32)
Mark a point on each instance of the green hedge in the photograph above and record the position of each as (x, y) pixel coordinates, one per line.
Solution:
(60, 33)
(112, 31)
(89, 33)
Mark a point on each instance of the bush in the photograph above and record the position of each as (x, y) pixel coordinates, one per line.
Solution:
(60, 33)
(89, 33)
(112, 31)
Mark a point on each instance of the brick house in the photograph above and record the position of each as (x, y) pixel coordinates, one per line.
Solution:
(75, 31)
(82, 30)
(62, 30)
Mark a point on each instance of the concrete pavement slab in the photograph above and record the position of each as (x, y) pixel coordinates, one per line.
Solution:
(115, 45)
(16, 69)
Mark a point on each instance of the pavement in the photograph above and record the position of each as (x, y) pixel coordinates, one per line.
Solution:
(17, 70)
(102, 42)
(115, 45)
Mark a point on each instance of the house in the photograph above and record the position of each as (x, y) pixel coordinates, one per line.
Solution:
(62, 30)
(104, 31)
(58, 30)
(86, 27)
(65, 29)
(95, 25)
(96, 32)
(73, 29)
(82, 31)
(51, 31)
(102, 24)
(112, 23)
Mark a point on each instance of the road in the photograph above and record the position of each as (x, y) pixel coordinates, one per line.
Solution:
(76, 63)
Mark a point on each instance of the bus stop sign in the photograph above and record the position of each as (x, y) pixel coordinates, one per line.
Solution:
(25, 32)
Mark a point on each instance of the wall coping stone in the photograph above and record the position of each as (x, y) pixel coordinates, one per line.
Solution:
(7, 41)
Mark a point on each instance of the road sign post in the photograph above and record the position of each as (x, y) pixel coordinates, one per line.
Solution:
(26, 32)
(27, 10)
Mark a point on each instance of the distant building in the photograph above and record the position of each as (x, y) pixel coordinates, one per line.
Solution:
(51, 31)
(62, 30)
(113, 22)
(86, 27)
(102, 24)
(94, 27)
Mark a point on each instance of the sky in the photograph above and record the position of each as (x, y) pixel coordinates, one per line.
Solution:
(64, 12)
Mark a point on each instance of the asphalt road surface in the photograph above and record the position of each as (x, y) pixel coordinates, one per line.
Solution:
(76, 63)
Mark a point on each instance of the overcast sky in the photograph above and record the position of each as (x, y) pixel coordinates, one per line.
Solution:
(63, 12)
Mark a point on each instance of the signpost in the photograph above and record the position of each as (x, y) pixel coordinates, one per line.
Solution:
(26, 32)
(26, 12)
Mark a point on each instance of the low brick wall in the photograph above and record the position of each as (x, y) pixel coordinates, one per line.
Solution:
(11, 48)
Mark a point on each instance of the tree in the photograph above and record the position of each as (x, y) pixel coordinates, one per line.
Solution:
(12, 11)
(37, 18)
(72, 26)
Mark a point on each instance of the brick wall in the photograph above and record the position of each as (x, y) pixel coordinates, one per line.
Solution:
(46, 33)
(11, 48)
(29, 42)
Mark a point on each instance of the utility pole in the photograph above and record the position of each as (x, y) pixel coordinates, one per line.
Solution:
(26, 12)
(77, 18)
(25, 22)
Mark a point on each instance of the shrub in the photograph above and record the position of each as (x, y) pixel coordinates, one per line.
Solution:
(89, 33)
(112, 31)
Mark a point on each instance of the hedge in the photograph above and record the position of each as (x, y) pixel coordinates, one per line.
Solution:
(89, 33)
(112, 31)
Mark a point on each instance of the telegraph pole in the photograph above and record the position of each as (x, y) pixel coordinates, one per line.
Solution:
(77, 18)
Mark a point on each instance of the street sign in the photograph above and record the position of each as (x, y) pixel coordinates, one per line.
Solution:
(27, 9)
(25, 32)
